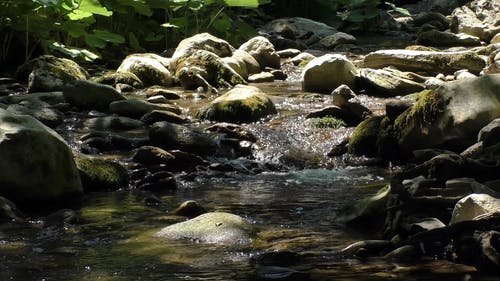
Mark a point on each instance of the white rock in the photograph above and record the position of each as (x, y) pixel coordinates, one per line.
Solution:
(474, 205)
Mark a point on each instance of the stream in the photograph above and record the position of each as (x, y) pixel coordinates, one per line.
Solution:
(294, 205)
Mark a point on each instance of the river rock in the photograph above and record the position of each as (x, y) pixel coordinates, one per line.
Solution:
(474, 205)
(263, 51)
(90, 95)
(123, 77)
(490, 134)
(387, 82)
(214, 228)
(48, 73)
(162, 115)
(433, 20)
(239, 105)
(202, 41)
(113, 123)
(261, 77)
(364, 137)
(173, 136)
(327, 72)
(243, 63)
(298, 29)
(100, 174)
(151, 69)
(367, 210)
(135, 108)
(189, 209)
(443, 118)
(42, 111)
(478, 18)
(36, 164)
(9, 211)
(494, 66)
(467, 186)
(289, 53)
(302, 59)
(431, 63)
(159, 91)
(446, 39)
(336, 112)
(205, 69)
(151, 155)
(339, 38)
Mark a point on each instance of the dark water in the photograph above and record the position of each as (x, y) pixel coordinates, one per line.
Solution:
(295, 208)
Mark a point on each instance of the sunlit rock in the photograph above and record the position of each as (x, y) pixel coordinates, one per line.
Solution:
(151, 69)
(239, 105)
(327, 72)
(388, 82)
(473, 206)
(478, 18)
(216, 228)
(428, 62)
(263, 51)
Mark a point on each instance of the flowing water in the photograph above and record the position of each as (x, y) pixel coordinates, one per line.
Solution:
(295, 206)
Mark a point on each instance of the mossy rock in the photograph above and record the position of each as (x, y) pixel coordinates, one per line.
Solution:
(214, 228)
(151, 69)
(242, 104)
(363, 139)
(48, 73)
(122, 77)
(387, 141)
(90, 95)
(204, 65)
(101, 174)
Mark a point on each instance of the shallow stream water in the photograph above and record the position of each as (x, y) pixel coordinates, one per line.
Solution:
(295, 207)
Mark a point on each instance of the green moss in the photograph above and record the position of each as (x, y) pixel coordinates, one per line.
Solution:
(99, 174)
(387, 141)
(327, 122)
(428, 107)
(363, 139)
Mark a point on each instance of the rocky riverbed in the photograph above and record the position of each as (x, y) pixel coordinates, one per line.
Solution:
(303, 154)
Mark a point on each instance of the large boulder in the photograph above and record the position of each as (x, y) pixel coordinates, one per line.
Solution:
(428, 62)
(48, 73)
(388, 82)
(479, 18)
(263, 51)
(474, 205)
(450, 116)
(173, 136)
(151, 69)
(206, 69)
(202, 41)
(90, 95)
(241, 104)
(216, 228)
(36, 164)
(327, 72)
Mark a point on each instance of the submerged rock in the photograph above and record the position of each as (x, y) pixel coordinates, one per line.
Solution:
(327, 72)
(36, 163)
(216, 227)
(428, 62)
(368, 210)
(48, 73)
(239, 105)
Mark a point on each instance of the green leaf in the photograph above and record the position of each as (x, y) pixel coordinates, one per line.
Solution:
(222, 24)
(169, 25)
(397, 9)
(109, 36)
(245, 3)
(73, 52)
(94, 7)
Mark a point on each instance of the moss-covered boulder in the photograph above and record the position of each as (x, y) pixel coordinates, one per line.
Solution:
(428, 62)
(135, 108)
(326, 73)
(122, 77)
(202, 41)
(363, 139)
(151, 69)
(173, 136)
(206, 69)
(86, 94)
(216, 228)
(239, 105)
(100, 174)
(49, 73)
(451, 116)
(36, 164)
